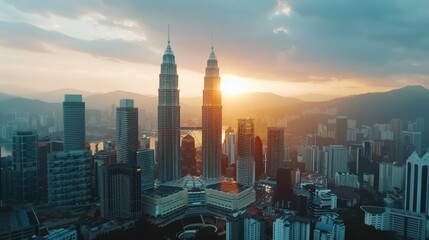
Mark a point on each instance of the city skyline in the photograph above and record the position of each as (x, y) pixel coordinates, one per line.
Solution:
(106, 46)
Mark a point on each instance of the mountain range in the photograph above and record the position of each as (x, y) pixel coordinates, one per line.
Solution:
(405, 103)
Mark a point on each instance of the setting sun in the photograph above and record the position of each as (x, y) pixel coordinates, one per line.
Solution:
(233, 85)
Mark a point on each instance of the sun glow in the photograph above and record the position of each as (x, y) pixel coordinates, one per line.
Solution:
(233, 85)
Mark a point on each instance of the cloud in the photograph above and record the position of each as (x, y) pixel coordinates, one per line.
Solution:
(377, 41)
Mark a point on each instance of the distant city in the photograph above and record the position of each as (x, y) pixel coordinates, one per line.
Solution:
(266, 168)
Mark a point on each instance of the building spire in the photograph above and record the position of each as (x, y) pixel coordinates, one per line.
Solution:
(212, 41)
(168, 34)
(212, 55)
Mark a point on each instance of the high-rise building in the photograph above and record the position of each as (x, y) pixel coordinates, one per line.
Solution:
(417, 184)
(254, 227)
(212, 120)
(396, 126)
(127, 139)
(25, 184)
(334, 159)
(391, 175)
(246, 154)
(74, 122)
(69, 178)
(188, 156)
(330, 226)
(341, 130)
(284, 187)
(230, 145)
(275, 150)
(311, 157)
(412, 138)
(259, 158)
(289, 226)
(120, 191)
(44, 147)
(146, 161)
(168, 151)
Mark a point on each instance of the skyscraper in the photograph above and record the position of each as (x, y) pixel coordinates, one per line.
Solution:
(25, 184)
(417, 184)
(212, 120)
(145, 160)
(127, 141)
(74, 122)
(120, 191)
(168, 151)
(334, 158)
(275, 150)
(246, 154)
(259, 156)
(230, 145)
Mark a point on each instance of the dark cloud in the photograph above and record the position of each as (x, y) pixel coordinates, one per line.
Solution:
(378, 40)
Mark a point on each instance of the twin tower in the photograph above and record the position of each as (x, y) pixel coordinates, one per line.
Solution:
(168, 149)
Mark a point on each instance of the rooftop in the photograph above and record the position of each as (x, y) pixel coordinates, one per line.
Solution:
(229, 187)
(373, 209)
(162, 191)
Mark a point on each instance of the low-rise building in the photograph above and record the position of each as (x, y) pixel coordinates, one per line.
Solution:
(94, 228)
(229, 196)
(163, 200)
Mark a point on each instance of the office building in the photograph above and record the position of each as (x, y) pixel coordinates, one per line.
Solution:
(168, 149)
(259, 158)
(275, 150)
(229, 196)
(146, 161)
(188, 156)
(74, 122)
(397, 127)
(417, 184)
(329, 226)
(120, 191)
(127, 139)
(25, 167)
(289, 226)
(69, 179)
(230, 145)
(245, 147)
(44, 147)
(212, 120)
(322, 201)
(391, 175)
(284, 186)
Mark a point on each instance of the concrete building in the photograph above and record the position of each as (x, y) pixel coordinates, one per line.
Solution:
(120, 191)
(322, 201)
(334, 159)
(127, 130)
(391, 175)
(212, 120)
(25, 167)
(168, 149)
(329, 227)
(417, 184)
(146, 162)
(341, 126)
(412, 138)
(164, 200)
(229, 196)
(74, 122)
(346, 179)
(275, 150)
(404, 224)
(245, 147)
(311, 157)
(69, 180)
(287, 226)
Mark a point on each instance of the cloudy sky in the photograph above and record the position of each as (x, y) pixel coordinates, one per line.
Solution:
(289, 47)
